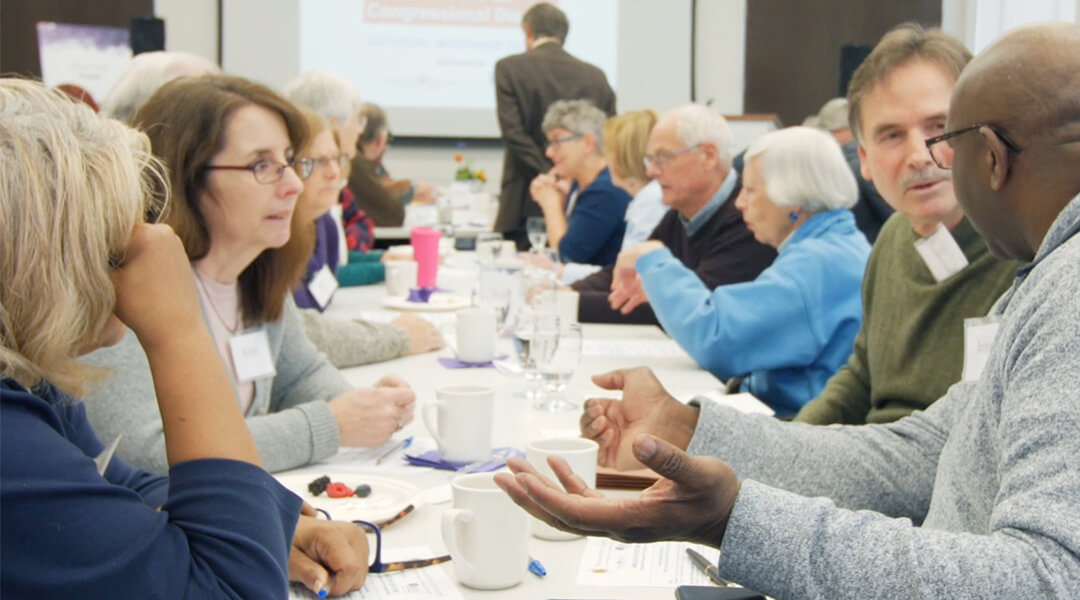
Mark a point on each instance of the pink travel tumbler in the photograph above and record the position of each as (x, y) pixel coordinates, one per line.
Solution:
(425, 243)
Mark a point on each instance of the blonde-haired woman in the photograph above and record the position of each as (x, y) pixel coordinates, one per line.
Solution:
(74, 526)
(625, 138)
(345, 343)
(229, 145)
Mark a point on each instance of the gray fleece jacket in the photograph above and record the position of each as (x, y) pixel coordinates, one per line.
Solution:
(977, 497)
(289, 419)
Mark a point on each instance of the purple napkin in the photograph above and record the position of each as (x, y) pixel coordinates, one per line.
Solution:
(422, 294)
(453, 363)
(431, 458)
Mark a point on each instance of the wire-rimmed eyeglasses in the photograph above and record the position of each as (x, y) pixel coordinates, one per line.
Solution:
(562, 140)
(661, 159)
(941, 149)
(269, 171)
(308, 165)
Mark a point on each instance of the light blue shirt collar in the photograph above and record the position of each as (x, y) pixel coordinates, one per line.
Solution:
(695, 223)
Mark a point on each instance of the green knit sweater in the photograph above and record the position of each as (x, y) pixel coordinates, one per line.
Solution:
(910, 348)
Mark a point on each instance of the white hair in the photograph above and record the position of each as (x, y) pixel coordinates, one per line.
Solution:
(804, 167)
(578, 117)
(329, 95)
(697, 124)
(833, 115)
(145, 74)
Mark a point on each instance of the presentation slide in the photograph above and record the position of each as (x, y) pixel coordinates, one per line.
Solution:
(438, 53)
(431, 63)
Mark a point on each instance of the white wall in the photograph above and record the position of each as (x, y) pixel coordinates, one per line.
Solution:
(190, 26)
(721, 54)
(979, 22)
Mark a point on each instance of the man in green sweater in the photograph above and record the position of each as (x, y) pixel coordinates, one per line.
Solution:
(929, 270)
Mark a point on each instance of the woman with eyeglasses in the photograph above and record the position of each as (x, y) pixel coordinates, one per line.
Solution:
(790, 329)
(345, 343)
(77, 522)
(229, 146)
(584, 220)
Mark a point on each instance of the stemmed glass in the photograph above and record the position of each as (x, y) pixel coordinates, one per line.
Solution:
(536, 228)
(557, 351)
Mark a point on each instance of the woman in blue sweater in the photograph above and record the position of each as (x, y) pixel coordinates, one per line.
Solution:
(76, 524)
(585, 221)
(791, 328)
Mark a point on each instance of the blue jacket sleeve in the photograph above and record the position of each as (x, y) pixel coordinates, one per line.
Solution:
(223, 532)
(737, 328)
(596, 218)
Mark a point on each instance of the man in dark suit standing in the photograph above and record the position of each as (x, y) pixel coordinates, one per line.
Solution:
(525, 84)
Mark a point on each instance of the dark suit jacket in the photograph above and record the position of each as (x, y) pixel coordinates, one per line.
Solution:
(525, 85)
(723, 251)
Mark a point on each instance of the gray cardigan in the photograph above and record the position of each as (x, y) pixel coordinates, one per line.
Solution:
(978, 496)
(289, 419)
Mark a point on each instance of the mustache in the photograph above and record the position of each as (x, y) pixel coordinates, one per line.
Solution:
(927, 174)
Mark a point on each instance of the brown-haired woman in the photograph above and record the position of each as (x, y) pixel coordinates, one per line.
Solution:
(229, 143)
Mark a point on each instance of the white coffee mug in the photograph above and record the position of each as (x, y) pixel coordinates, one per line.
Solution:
(460, 422)
(475, 334)
(486, 534)
(400, 277)
(566, 305)
(579, 453)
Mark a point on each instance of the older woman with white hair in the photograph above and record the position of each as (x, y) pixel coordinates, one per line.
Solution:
(585, 223)
(145, 74)
(793, 326)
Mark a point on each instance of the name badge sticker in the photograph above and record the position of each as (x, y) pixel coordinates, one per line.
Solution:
(941, 254)
(979, 337)
(322, 286)
(251, 356)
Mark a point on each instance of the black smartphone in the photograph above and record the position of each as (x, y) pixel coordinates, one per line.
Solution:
(465, 243)
(712, 592)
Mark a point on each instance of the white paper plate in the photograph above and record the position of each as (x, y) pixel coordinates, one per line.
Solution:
(438, 302)
(388, 496)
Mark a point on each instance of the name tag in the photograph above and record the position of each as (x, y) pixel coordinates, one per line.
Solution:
(251, 356)
(322, 286)
(979, 337)
(941, 254)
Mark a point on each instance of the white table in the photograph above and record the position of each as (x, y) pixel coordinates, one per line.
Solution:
(515, 423)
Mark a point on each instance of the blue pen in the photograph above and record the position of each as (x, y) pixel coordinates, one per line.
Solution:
(536, 568)
(405, 443)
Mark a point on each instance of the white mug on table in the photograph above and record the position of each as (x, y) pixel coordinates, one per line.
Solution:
(579, 453)
(460, 421)
(486, 534)
(475, 334)
(400, 277)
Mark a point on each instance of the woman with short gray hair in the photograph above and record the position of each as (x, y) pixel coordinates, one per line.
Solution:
(333, 98)
(790, 329)
(583, 209)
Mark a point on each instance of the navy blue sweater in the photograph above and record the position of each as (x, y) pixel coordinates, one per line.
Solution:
(224, 529)
(595, 227)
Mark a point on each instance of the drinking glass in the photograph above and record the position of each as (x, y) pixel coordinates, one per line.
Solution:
(557, 352)
(537, 231)
(533, 332)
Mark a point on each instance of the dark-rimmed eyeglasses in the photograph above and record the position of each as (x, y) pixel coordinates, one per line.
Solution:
(269, 171)
(941, 149)
(562, 140)
(375, 562)
(661, 159)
